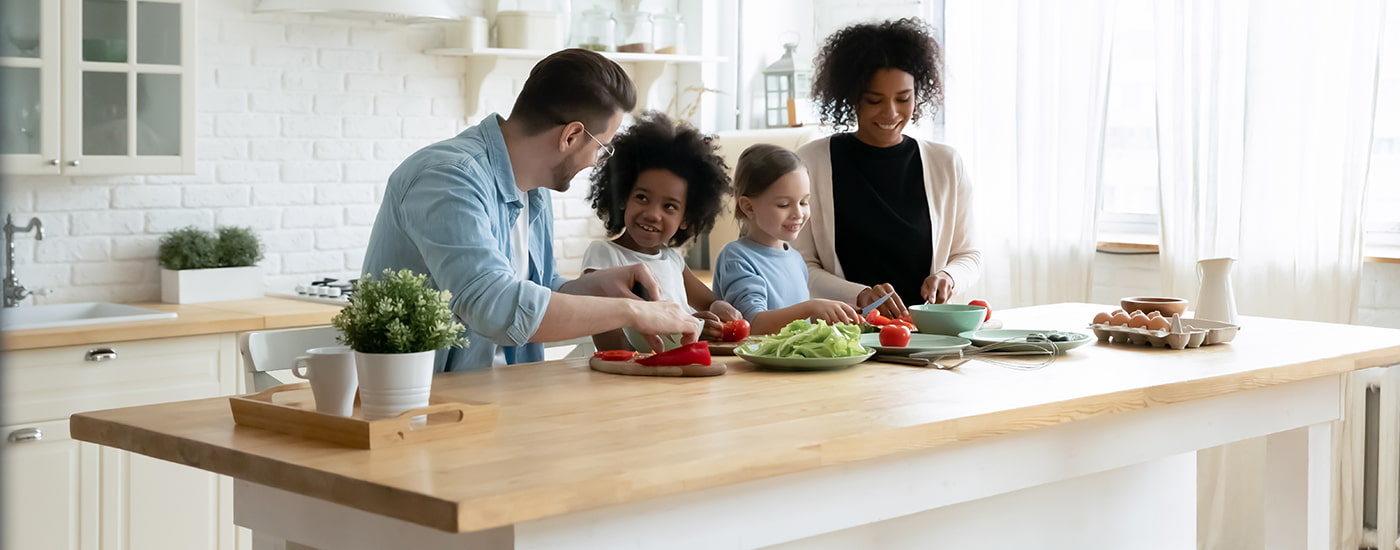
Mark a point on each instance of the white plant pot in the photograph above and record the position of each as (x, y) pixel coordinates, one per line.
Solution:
(391, 383)
(189, 286)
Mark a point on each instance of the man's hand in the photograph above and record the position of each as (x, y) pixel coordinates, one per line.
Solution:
(892, 308)
(616, 282)
(663, 317)
(937, 288)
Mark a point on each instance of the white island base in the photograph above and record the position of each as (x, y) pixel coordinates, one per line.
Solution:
(1121, 480)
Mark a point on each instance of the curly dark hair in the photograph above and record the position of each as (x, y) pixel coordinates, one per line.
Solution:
(850, 57)
(653, 142)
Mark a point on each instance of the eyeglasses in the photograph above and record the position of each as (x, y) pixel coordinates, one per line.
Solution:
(605, 151)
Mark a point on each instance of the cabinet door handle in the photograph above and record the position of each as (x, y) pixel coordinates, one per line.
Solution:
(26, 435)
(73, 163)
(53, 162)
(101, 354)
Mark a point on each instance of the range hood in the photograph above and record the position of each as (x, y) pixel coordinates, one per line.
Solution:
(397, 11)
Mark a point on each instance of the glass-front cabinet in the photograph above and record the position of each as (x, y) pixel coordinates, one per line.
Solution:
(97, 87)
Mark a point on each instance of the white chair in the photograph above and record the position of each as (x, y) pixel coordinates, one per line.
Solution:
(273, 350)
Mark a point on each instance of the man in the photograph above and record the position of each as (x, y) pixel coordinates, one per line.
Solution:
(473, 212)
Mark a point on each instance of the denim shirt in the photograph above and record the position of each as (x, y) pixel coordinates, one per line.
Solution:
(448, 211)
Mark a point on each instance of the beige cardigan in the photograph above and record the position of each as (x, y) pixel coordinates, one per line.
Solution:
(949, 197)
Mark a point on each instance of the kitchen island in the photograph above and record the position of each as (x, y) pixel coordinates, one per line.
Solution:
(1095, 450)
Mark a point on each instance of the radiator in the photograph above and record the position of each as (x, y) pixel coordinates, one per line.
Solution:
(1374, 405)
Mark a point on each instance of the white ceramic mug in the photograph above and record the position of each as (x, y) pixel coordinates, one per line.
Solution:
(331, 371)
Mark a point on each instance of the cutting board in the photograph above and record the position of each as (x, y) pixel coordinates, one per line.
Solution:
(631, 368)
(723, 348)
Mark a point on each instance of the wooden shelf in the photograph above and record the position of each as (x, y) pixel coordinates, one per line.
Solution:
(645, 68)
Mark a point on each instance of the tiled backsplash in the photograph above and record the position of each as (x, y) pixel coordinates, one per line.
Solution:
(301, 120)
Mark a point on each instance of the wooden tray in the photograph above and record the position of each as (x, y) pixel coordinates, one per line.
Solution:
(294, 413)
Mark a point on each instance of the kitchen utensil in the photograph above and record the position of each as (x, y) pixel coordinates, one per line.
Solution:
(948, 319)
(867, 309)
(918, 342)
(801, 363)
(1148, 304)
(331, 371)
(994, 354)
(1016, 340)
(1216, 301)
(724, 348)
(632, 368)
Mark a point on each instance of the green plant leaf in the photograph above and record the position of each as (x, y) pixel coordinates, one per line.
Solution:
(399, 312)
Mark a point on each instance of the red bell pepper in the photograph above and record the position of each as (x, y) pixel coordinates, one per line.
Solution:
(693, 354)
(616, 355)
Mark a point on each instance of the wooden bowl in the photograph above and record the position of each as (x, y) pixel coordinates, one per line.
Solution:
(1148, 304)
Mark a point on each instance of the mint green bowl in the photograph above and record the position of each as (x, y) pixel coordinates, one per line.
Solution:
(948, 319)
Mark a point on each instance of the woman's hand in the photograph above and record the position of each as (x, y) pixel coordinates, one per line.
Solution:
(636, 281)
(831, 311)
(725, 311)
(714, 328)
(892, 308)
(937, 288)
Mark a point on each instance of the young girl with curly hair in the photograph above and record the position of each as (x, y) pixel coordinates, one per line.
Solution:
(760, 274)
(890, 213)
(663, 185)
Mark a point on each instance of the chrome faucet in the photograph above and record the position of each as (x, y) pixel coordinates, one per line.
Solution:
(15, 292)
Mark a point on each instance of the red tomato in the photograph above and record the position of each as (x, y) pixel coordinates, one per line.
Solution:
(894, 336)
(908, 318)
(616, 355)
(984, 304)
(903, 323)
(876, 319)
(734, 331)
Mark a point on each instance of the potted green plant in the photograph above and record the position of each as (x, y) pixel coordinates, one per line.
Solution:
(200, 266)
(396, 323)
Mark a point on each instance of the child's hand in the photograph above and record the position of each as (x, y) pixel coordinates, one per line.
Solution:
(725, 311)
(714, 328)
(831, 311)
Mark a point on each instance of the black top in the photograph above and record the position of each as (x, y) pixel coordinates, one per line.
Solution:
(883, 232)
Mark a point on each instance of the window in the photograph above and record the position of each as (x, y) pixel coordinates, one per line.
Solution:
(1383, 186)
(1128, 200)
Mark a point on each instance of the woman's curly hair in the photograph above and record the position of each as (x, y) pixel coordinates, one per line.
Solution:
(850, 57)
(655, 142)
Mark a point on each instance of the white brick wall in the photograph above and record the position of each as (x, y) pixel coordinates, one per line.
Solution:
(301, 120)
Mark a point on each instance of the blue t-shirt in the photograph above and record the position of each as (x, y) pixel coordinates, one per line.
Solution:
(756, 278)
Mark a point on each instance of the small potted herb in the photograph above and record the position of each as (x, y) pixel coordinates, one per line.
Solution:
(396, 323)
(200, 266)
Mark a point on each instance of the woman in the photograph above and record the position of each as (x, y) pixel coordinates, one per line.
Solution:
(890, 213)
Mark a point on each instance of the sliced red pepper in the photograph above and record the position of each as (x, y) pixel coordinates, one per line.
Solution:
(693, 354)
(616, 355)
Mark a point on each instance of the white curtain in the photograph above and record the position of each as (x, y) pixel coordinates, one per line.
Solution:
(1026, 95)
(1265, 113)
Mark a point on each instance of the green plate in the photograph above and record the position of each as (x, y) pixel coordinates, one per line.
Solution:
(801, 363)
(917, 343)
(982, 338)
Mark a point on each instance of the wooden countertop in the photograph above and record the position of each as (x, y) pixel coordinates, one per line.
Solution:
(194, 319)
(569, 439)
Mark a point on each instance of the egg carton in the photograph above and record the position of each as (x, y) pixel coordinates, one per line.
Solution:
(1185, 333)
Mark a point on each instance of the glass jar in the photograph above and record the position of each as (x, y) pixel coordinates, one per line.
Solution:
(634, 32)
(669, 35)
(594, 30)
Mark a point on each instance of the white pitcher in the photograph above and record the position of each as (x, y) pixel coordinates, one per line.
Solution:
(1216, 300)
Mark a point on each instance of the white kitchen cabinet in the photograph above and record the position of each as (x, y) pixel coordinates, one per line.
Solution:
(50, 488)
(98, 87)
(66, 494)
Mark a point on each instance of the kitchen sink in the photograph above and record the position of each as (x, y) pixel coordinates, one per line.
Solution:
(85, 313)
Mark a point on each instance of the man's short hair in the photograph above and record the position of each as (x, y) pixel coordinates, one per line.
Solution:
(573, 85)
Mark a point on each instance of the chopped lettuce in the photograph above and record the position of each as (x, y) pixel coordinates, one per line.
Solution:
(803, 338)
